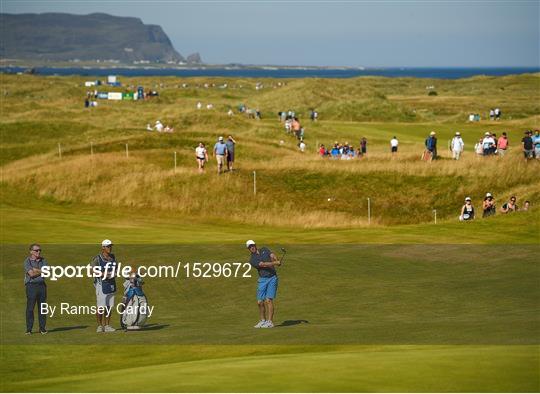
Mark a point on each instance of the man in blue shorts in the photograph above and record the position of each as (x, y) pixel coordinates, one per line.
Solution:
(264, 261)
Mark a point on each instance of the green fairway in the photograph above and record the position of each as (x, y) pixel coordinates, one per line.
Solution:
(394, 303)
(307, 369)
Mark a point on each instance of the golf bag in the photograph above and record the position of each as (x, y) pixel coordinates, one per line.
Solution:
(135, 305)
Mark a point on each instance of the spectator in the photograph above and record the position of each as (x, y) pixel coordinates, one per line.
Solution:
(536, 143)
(295, 125)
(431, 145)
(105, 286)
(488, 144)
(158, 126)
(220, 152)
(467, 211)
(492, 114)
(509, 206)
(199, 105)
(168, 129)
(230, 152)
(394, 145)
(457, 146)
(201, 155)
(498, 114)
(478, 148)
(526, 205)
(149, 128)
(335, 152)
(363, 147)
(488, 206)
(322, 151)
(502, 144)
(302, 146)
(527, 146)
(230, 112)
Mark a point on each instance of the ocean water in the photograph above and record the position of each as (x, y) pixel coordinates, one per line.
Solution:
(440, 73)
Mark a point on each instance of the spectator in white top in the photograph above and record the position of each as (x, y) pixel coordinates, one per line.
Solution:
(302, 146)
(489, 145)
(199, 105)
(394, 145)
(158, 126)
(202, 156)
(457, 146)
(478, 148)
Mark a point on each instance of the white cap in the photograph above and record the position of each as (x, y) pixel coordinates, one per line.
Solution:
(432, 133)
(458, 133)
(106, 242)
(467, 199)
(488, 195)
(487, 133)
(250, 243)
(220, 138)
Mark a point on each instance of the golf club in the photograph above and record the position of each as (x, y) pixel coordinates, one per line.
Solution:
(283, 255)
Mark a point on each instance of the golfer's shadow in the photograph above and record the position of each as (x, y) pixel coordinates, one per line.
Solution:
(287, 323)
(154, 326)
(58, 329)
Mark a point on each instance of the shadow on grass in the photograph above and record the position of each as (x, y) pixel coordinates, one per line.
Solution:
(153, 327)
(287, 323)
(58, 329)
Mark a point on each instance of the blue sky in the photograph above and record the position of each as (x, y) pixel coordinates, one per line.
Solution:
(334, 33)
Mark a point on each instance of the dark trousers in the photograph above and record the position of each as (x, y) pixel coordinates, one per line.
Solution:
(35, 293)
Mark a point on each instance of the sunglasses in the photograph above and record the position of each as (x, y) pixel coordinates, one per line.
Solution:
(36, 250)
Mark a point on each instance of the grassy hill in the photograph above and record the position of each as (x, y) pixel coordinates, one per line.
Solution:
(401, 304)
(293, 189)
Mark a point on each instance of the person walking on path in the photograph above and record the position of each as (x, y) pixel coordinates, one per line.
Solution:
(230, 152)
(220, 153)
(394, 146)
(457, 146)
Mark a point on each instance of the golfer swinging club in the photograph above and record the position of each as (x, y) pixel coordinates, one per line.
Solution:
(264, 261)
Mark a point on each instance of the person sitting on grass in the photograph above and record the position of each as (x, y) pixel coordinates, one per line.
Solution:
(526, 205)
(488, 206)
(467, 211)
(322, 151)
(509, 206)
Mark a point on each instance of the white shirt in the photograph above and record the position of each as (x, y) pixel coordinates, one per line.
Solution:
(159, 127)
(457, 144)
(302, 146)
(200, 152)
(394, 142)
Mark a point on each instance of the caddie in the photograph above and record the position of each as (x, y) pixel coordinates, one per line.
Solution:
(105, 286)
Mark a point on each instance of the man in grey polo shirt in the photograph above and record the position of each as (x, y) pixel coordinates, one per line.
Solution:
(220, 152)
(36, 289)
